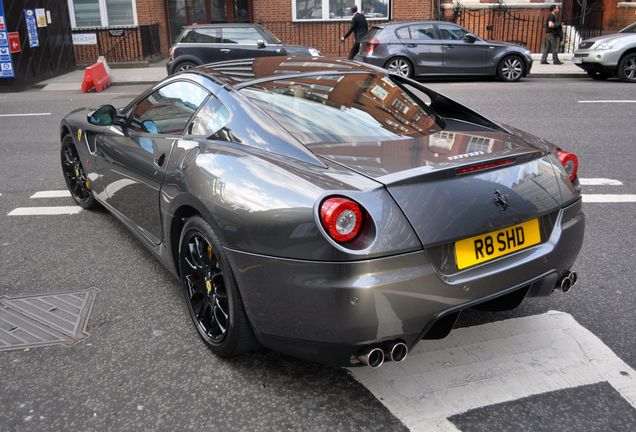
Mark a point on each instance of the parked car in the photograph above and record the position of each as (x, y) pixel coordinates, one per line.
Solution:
(207, 43)
(437, 48)
(326, 209)
(609, 55)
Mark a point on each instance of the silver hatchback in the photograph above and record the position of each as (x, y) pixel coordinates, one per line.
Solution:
(609, 55)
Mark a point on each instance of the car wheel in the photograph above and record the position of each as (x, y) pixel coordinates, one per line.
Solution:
(627, 68)
(399, 66)
(511, 68)
(185, 65)
(78, 185)
(599, 76)
(211, 292)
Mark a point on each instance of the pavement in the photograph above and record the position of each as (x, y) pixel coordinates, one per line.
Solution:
(157, 71)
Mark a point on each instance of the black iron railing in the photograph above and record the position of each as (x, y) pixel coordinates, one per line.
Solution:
(118, 44)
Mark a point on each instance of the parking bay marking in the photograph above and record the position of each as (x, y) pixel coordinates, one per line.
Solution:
(609, 198)
(599, 182)
(493, 363)
(25, 115)
(606, 101)
(51, 194)
(45, 211)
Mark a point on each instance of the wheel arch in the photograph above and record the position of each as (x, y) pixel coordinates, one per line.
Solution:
(625, 54)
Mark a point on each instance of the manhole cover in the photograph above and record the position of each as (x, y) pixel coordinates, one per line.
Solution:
(32, 321)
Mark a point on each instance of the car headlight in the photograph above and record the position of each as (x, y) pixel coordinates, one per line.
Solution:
(608, 44)
(314, 52)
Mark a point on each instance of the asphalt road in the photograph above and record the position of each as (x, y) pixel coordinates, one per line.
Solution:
(143, 367)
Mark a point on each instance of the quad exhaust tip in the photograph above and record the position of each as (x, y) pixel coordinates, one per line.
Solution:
(398, 352)
(568, 281)
(372, 357)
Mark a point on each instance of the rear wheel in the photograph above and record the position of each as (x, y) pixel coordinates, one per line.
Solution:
(627, 68)
(78, 185)
(511, 68)
(599, 76)
(400, 66)
(211, 293)
(185, 65)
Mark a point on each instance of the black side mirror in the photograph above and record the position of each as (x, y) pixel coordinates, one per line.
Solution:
(260, 43)
(103, 116)
(470, 38)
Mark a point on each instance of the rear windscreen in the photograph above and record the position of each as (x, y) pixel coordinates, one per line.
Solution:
(339, 108)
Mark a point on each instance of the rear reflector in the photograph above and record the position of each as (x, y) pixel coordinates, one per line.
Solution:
(473, 168)
(570, 162)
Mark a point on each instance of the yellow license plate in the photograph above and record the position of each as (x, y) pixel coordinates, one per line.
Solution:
(482, 248)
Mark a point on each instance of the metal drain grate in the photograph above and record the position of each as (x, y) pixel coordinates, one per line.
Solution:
(32, 321)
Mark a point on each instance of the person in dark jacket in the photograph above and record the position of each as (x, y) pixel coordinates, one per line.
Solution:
(359, 28)
(553, 34)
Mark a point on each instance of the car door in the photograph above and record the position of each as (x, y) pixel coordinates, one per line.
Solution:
(133, 158)
(242, 42)
(461, 56)
(424, 50)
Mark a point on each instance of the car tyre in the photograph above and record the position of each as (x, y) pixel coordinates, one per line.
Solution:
(185, 65)
(211, 292)
(627, 68)
(400, 66)
(76, 182)
(598, 76)
(511, 68)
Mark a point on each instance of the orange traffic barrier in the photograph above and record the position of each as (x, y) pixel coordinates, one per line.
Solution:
(95, 76)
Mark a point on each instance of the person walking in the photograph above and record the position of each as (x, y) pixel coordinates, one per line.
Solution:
(359, 28)
(553, 32)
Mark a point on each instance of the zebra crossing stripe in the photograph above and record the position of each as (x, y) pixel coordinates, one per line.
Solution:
(51, 194)
(609, 198)
(45, 211)
(599, 182)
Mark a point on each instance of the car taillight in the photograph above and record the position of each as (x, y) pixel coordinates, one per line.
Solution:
(341, 218)
(570, 162)
(372, 44)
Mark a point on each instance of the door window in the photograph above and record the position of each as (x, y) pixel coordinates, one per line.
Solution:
(168, 110)
(241, 35)
(451, 32)
(422, 31)
(202, 35)
(212, 117)
(402, 33)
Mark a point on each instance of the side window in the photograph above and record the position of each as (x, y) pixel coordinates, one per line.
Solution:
(422, 31)
(202, 35)
(241, 35)
(403, 33)
(168, 110)
(210, 118)
(451, 32)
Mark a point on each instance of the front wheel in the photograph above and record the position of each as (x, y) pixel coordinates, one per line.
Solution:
(211, 293)
(511, 69)
(399, 66)
(78, 185)
(627, 68)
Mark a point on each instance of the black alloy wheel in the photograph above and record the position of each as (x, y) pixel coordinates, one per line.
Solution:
(511, 68)
(211, 293)
(627, 68)
(78, 185)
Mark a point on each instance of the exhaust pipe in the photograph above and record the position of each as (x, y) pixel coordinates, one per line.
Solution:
(372, 357)
(397, 351)
(568, 281)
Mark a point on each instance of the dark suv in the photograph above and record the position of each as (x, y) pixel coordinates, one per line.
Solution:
(437, 48)
(207, 43)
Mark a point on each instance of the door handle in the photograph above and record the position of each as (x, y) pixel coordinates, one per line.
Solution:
(411, 45)
(159, 160)
(225, 50)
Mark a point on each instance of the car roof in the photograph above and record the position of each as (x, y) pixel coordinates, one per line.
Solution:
(245, 72)
(401, 23)
(215, 25)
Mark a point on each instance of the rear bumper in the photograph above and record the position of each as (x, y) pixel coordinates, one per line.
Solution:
(328, 311)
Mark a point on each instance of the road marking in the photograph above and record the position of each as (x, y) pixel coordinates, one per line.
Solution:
(609, 198)
(25, 115)
(493, 363)
(45, 211)
(51, 194)
(599, 182)
(607, 101)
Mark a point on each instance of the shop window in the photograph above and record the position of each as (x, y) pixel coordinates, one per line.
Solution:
(324, 10)
(102, 13)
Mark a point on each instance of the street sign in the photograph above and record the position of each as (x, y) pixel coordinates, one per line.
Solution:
(6, 65)
(14, 42)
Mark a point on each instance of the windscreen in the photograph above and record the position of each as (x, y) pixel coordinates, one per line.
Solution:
(343, 108)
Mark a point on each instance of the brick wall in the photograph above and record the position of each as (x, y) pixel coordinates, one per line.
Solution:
(153, 12)
(624, 16)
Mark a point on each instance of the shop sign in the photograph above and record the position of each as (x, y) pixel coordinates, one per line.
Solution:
(84, 38)
(116, 32)
(6, 65)
(32, 28)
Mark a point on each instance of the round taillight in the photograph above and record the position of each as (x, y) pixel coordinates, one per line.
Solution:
(570, 162)
(341, 218)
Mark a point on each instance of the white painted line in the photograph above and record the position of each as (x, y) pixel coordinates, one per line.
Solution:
(607, 101)
(599, 182)
(45, 211)
(51, 194)
(494, 363)
(25, 115)
(609, 198)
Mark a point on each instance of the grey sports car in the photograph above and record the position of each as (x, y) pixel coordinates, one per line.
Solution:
(325, 209)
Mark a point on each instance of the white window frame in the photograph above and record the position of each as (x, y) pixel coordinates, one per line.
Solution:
(103, 15)
(325, 13)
